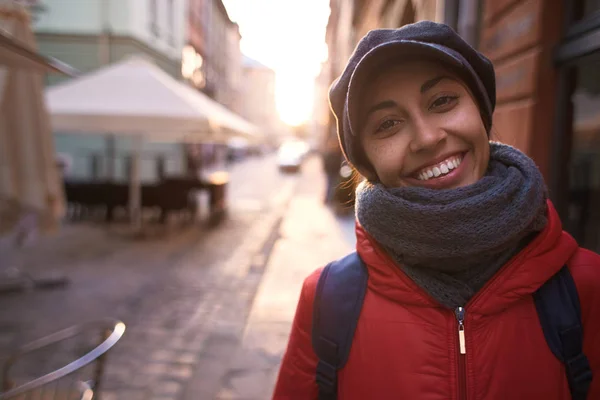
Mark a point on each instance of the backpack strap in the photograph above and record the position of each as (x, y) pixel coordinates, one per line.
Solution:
(338, 300)
(557, 304)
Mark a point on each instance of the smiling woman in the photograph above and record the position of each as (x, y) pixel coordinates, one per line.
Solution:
(458, 247)
(412, 108)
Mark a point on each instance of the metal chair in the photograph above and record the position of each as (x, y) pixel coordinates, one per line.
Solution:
(65, 383)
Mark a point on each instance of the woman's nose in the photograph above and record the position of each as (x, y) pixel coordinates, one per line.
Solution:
(426, 136)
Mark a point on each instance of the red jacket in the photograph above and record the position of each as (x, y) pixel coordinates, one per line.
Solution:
(406, 345)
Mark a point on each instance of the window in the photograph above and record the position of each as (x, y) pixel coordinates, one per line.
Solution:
(591, 7)
(171, 22)
(583, 213)
(153, 15)
(575, 185)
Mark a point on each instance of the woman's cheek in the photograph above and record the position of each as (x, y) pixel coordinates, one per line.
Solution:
(391, 157)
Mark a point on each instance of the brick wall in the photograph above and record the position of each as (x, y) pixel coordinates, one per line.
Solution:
(519, 37)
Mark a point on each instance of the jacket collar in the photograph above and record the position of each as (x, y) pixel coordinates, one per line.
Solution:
(518, 278)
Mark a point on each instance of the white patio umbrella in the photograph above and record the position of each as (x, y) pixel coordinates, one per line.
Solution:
(136, 98)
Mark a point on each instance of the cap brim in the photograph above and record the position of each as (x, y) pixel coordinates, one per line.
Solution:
(401, 50)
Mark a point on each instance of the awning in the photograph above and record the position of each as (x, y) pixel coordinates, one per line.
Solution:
(136, 97)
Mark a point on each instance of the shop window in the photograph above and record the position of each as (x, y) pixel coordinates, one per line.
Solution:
(95, 166)
(583, 213)
(591, 7)
(128, 165)
(153, 16)
(161, 167)
(171, 16)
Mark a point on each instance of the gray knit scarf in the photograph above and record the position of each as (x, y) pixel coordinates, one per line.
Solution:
(451, 242)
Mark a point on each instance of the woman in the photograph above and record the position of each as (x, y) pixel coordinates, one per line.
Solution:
(455, 232)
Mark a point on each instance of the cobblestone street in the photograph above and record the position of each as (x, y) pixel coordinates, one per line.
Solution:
(171, 292)
(207, 311)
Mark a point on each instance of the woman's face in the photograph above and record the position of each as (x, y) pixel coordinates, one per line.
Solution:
(422, 127)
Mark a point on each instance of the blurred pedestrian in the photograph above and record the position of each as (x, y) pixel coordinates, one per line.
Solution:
(332, 162)
(464, 285)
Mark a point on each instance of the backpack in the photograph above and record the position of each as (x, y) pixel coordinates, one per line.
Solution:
(341, 291)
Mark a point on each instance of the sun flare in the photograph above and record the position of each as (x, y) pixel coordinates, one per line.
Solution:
(288, 45)
(294, 99)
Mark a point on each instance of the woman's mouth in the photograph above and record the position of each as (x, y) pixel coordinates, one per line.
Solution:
(440, 169)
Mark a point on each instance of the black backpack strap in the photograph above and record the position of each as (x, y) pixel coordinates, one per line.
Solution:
(338, 301)
(557, 303)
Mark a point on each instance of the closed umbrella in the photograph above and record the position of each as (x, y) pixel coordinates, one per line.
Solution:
(31, 196)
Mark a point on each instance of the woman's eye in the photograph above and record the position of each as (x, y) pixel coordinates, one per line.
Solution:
(443, 101)
(388, 124)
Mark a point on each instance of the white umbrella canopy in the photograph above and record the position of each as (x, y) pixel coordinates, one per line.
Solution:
(136, 97)
(29, 180)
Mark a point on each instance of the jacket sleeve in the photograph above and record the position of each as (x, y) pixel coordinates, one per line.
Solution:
(296, 378)
(586, 273)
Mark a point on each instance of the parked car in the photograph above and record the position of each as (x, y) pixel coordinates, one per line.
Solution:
(291, 155)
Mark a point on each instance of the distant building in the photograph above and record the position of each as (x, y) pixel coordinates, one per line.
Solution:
(213, 41)
(319, 123)
(259, 97)
(213, 62)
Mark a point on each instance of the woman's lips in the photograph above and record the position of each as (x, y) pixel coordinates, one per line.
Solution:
(440, 169)
(444, 180)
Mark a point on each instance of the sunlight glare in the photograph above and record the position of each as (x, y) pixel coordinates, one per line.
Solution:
(294, 99)
(277, 34)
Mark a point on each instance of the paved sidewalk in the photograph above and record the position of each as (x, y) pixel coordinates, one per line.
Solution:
(311, 236)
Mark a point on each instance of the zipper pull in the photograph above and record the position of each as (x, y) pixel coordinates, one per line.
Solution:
(460, 317)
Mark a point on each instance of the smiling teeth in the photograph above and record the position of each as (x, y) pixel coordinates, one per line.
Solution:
(440, 169)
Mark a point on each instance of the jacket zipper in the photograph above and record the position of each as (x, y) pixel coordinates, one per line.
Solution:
(462, 351)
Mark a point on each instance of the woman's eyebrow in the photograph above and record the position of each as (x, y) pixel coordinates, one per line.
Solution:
(381, 106)
(432, 82)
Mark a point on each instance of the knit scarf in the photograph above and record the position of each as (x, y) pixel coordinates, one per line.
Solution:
(450, 242)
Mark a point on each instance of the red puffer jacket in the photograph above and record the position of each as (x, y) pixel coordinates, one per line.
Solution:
(406, 345)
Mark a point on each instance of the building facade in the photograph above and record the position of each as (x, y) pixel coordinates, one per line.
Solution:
(93, 33)
(547, 59)
(213, 64)
(319, 122)
(214, 41)
(258, 92)
(88, 34)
